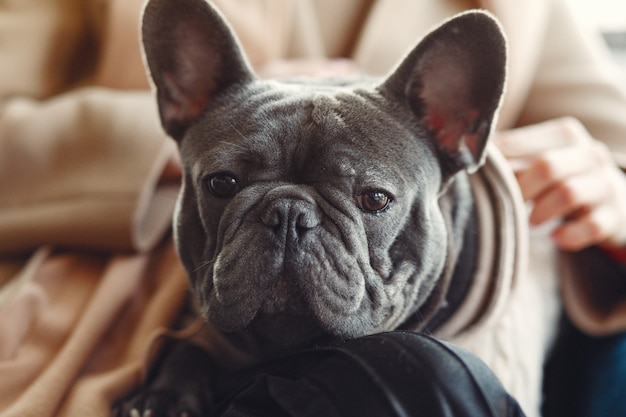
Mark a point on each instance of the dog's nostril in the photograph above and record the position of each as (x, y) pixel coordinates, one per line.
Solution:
(271, 218)
(307, 220)
(291, 216)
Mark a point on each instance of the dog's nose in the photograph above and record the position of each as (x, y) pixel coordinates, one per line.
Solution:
(291, 216)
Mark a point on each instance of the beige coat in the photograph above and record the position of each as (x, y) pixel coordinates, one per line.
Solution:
(88, 276)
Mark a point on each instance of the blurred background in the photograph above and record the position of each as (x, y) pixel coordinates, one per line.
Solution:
(609, 18)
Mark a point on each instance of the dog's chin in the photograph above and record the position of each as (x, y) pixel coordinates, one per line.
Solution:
(269, 335)
(285, 331)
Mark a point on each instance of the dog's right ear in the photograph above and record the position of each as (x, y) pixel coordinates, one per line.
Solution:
(192, 55)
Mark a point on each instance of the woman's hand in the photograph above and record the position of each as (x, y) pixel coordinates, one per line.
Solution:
(571, 177)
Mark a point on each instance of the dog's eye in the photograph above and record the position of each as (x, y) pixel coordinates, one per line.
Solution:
(223, 185)
(373, 201)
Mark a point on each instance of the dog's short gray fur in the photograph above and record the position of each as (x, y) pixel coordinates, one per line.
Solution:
(289, 254)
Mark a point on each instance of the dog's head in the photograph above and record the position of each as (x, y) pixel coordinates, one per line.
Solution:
(311, 208)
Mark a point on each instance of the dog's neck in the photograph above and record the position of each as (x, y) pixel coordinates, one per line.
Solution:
(458, 204)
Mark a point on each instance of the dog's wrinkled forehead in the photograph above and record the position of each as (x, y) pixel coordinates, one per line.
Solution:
(298, 131)
(448, 85)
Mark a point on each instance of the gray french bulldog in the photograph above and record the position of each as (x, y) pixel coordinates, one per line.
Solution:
(321, 209)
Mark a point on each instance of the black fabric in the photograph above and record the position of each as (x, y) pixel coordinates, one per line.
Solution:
(389, 374)
(564, 375)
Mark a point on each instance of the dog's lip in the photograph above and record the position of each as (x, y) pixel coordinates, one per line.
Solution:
(281, 317)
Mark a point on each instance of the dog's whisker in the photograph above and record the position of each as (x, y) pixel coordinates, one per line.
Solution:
(236, 130)
(235, 145)
(468, 228)
(203, 264)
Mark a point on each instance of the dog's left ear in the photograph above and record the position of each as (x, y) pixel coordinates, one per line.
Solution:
(453, 82)
(192, 55)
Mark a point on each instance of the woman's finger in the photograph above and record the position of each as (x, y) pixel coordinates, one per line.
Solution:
(566, 198)
(530, 141)
(596, 226)
(554, 166)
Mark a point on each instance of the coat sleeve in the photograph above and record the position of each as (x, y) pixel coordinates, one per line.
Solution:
(82, 169)
(577, 77)
(79, 166)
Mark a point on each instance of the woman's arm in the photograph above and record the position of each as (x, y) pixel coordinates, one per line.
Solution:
(83, 169)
